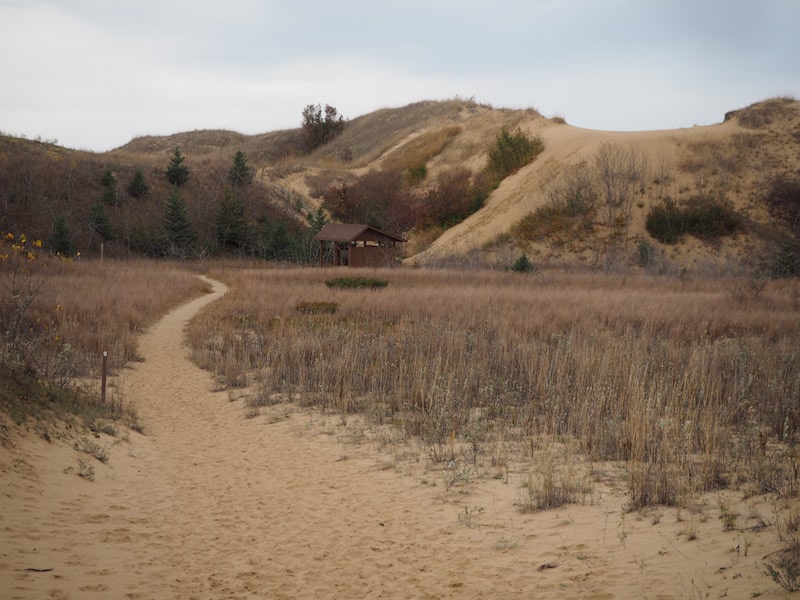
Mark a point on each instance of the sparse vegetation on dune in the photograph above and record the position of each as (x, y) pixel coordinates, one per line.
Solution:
(689, 382)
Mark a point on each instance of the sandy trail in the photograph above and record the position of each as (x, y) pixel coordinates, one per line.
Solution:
(209, 504)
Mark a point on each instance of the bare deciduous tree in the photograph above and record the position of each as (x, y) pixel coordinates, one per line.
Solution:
(572, 190)
(619, 173)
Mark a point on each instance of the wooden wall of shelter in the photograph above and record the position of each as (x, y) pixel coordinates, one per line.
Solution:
(358, 245)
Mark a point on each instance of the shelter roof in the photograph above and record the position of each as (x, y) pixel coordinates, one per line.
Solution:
(345, 232)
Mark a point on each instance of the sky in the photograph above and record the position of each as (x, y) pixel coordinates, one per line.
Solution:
(94, 74)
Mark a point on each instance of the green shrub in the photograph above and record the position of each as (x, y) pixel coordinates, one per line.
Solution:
(664, 222)
(356, 283)
(710, 218)
(511, 152)
(783, 198)
(786, 260)
(523, 265)
(416, 173)
(61, 238)
(705, 217)
(646, 253)
(177, 172)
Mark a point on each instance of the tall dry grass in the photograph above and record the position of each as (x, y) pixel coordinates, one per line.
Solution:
(67, 312)
(56, 318)
(695, 384)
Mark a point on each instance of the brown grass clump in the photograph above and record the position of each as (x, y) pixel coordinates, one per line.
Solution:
(688, 382)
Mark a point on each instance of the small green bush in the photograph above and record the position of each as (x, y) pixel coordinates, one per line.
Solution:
(523, 265)
(783, 199)
(710, 218)
(646, 253)
(705, 217)
(664, 222)
(511, 152)
(416, 173)
(356, 283)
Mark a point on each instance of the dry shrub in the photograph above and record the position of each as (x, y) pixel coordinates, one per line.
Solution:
(556, 481)
(784, 565)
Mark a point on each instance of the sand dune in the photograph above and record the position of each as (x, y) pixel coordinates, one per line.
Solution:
(210, 504)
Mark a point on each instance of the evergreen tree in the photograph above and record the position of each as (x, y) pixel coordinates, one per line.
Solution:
(138, 187)
(275, 241)
(240, 173)
(61, 238)
(318, 220)
(100, 223)
(111, 195)
(231, 226)
(177, 172)
(179, 233)
(108, 179)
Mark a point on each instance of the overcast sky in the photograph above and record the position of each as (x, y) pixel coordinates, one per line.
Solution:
(93, 74)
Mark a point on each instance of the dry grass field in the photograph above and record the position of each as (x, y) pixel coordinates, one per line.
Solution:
(693, 384)
(550, 422)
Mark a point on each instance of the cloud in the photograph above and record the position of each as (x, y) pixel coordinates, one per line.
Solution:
(94, 73)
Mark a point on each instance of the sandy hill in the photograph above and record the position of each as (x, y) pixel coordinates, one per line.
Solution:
(733, 160)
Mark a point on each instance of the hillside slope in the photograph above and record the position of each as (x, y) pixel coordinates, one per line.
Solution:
(733, 160)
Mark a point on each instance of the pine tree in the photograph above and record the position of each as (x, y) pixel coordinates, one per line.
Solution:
(100, 223)
(240, 173)
(318, 220)
(108, 179)
(179, 233)
(231, 226)
(61, 238)
(111, 195)
(138, 187)
(177, 172)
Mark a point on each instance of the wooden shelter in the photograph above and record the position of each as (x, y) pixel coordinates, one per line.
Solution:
(358, 245)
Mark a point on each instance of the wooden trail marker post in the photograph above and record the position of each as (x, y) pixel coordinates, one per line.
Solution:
(103, 378)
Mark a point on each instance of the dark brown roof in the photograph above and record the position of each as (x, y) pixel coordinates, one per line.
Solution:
(344, 232)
